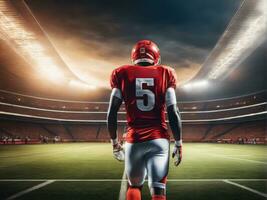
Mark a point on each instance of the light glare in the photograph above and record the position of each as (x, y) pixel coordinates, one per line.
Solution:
(196, 84)
(81, 85)
(26, 43)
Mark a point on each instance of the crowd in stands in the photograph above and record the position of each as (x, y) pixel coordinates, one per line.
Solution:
(27, 140)
(14, 140)
(241, 140)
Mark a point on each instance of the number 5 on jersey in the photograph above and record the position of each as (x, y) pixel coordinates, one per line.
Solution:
(140, 92)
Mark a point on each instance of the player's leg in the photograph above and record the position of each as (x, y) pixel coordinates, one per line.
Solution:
(134, 193)
(157, 164)
(135, 169)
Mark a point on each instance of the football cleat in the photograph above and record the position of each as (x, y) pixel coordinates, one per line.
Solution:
(145, 51)
(118, 152)
(177, 154)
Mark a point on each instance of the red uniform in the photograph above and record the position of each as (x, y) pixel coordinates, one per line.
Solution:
(143, 90)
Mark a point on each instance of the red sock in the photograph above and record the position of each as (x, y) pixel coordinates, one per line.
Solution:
(133, 193)
(158, 197)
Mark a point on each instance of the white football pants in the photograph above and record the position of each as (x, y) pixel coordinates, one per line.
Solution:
(149, 158)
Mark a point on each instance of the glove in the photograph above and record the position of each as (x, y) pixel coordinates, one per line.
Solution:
(118, 151)
(177, 152)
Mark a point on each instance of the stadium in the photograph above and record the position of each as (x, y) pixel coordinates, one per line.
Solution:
(54, 142)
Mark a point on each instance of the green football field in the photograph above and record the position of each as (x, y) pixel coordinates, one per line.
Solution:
(88, 171)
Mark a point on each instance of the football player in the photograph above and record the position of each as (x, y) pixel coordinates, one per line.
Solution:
(148, 90)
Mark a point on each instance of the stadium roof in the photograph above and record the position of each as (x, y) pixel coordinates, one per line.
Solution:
(26, 50)
(246, 31)
(21, 32)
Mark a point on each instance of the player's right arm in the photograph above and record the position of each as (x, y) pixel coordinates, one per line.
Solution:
(114, 105)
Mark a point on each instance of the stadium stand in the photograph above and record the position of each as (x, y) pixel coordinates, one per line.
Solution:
(83, 110)
(249, 132)
(235, 120)
(227, 133)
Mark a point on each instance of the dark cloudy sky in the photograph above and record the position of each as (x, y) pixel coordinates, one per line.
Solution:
(96, 36)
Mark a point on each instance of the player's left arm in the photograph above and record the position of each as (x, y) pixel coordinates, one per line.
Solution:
(174, 118)
(114, 105)
(175, 124)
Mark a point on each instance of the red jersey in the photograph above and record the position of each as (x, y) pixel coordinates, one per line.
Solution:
(143, 90)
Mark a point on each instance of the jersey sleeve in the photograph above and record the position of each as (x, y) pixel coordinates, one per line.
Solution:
(114, 80)
(172, 79)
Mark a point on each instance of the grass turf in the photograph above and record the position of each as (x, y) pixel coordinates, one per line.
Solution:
(95, 161)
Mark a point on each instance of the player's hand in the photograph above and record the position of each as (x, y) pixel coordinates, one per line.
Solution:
(177, 154)
(118, 152)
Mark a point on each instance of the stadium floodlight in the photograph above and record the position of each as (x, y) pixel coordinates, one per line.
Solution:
(196, 84)
(26, 43)
(246, 31)
(79, 84)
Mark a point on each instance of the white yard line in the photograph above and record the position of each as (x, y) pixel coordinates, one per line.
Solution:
(246, 188)
(239, 155)
(242, 159)
(213, 180)
(63, 180)
(19, 194)
(124, 180)
(123, 189)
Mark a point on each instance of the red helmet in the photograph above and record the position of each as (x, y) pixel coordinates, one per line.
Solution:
(145, 51)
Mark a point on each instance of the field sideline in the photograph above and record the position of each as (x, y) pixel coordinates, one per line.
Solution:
(88, 171)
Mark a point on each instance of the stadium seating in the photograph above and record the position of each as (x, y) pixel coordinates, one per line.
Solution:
(68, 105)
(24, 116)
(229, 132)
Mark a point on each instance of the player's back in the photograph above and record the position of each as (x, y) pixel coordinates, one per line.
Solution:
(143, 89)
